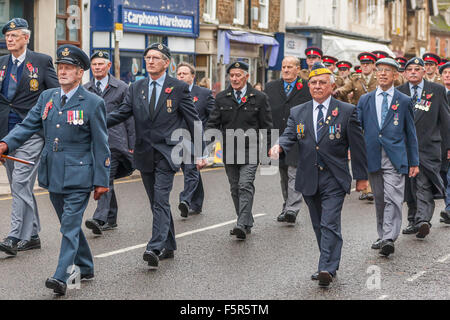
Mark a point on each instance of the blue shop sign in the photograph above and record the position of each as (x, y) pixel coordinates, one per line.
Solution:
(157, 22)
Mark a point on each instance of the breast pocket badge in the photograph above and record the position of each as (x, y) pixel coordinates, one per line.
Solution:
(34, 85)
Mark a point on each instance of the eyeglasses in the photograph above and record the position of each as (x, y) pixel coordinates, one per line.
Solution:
(318, 82)
(156, 59)
(381, 70)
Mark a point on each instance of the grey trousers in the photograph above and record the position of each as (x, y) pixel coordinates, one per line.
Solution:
(241, 178)
(24, 214)
(388, 189)
(292, 198)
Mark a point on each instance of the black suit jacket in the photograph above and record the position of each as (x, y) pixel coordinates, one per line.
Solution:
(27, 94)
(281, 105)
(121, 137)
(203, 102)
(251, 115)
(333, 152)
(174, 110)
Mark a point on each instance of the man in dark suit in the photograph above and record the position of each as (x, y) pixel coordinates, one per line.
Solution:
(191, 198)
(120, 138)
(24, 75)
(325, 129)
(431, 118)
(75, 160)
(284, 94)
(444, 70)
(387, 120)
(241, 113)
(160, 105)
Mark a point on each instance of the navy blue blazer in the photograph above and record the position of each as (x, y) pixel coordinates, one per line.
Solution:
(397, 137)
(174, 110)
(333, 152)
(203, 101)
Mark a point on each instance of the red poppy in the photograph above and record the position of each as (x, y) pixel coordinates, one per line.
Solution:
(169, 90)
(195, 99)
(394, 107)
(334, 113)
(30, 67)
(49, 105)
(244, 99)
(429, 96)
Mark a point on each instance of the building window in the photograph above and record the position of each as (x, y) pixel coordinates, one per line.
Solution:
(438, 46)
(356, 11)
(68, 22)
(334, 13)
(301, 11)
(447, 43)
(371, 12)
(421, 25)
(239, 9)
(264, 14)
(397, 17)
(209, 11)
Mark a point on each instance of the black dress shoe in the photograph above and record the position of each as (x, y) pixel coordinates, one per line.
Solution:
(152, 258)
(281, 217)
(58, 287)
(369, 196)
(193, 212)
(315, 276)
(324, 278)
(9, 246)
(184, 208)
(94, 226)
(107, 226)
(290, 216)
(165, 254)
(86, 276)
(377, 244)
(410, 229)
(387, 247)
(24, 245)
(423, 230)
(363, 196)
(239, 233)
(445, 215)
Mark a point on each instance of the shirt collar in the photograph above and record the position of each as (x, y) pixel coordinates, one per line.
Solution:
(243, 91)
(159, 81)
(103, 81)
(286, 82)
(420, 85)
(21, 58)
(70, 93)
(325, 104)
(389, 91)
(191, 86)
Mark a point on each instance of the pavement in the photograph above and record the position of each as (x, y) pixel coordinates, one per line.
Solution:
(275, 262)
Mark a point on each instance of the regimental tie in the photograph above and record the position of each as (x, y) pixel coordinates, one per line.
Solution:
(12, 87)
(288, 88)
(99, 88)
(153, 99)
(415, 96)
(63, 100)
(320, 124)
(384, 108)
(238, 96)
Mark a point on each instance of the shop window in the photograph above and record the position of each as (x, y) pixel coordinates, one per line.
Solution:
(264, 14)
(132, 67)
(176, 59)
(68, 22)
(154, 39)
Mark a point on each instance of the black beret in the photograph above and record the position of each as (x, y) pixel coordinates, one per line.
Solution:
(100, 54)
(237, 65)
(159, 47)
(444, 66)
(415, 60)
(15, 24)
(70, 54)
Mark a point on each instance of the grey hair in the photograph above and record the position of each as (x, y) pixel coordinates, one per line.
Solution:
(332, 78)
(27, 32)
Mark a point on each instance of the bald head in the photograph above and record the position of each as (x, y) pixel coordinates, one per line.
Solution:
(290, 67)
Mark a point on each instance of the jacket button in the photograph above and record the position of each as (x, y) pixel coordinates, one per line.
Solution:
(60, 113)
(317, 147)
(284, 119)
(57, 125)
(380, 135)
(81, 162)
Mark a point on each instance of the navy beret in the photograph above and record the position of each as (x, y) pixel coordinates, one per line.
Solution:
(237, 65)
(444, 66)
(100, 54)
(159, 47)
(415, 60)
(15, 24)
(70, 54)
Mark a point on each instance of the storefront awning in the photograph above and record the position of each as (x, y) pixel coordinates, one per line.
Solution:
(225, 36)
(348, 49)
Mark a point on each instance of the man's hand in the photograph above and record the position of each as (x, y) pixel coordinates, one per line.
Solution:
(201, 163)
(413, 171)
(99, 191)
(3, 150)
(361, 185)
(274, 152)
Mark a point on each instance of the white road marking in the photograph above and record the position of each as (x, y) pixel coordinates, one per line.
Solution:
(384, 296)
(444, 258)
(353, 190)
(184, 234)
(416, 276)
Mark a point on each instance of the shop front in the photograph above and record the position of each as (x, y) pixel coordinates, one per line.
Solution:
(144, 22)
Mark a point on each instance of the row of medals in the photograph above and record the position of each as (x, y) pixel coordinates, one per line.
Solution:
(75, 117)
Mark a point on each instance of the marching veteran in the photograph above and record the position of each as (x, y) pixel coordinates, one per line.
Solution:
(75, 159)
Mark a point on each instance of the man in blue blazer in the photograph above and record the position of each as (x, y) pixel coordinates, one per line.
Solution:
(191, 198)
(387, 119)
(325, 129)
(160, 105)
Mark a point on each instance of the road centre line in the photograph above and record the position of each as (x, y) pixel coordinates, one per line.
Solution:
(444, 258)
(416, 276)
(181, 235)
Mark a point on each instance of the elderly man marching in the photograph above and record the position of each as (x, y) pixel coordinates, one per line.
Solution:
(388, 122)
(324, 130)
(75, 159)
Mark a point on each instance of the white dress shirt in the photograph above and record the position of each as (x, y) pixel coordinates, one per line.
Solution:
(103, 83)
(419, 89)
(21, 58)
(379, 101)
(325, 104)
